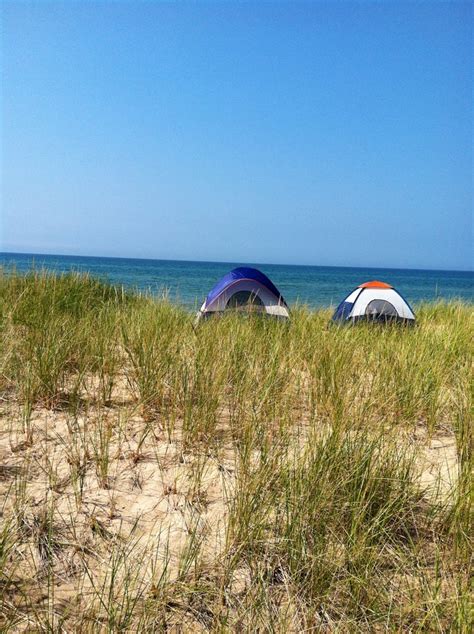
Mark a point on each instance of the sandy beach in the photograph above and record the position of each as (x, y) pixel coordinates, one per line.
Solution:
(154, 476)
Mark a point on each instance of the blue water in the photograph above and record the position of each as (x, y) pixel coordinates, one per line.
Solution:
(189, 282)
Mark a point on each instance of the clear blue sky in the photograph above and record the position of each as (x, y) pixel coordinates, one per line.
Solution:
(314, 133)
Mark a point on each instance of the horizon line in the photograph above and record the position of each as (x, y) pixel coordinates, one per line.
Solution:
(147, 259)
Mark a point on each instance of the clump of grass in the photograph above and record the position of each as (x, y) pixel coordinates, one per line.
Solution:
(150, 336)
(266, 476)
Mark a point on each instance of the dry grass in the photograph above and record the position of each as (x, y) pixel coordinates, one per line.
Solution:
(249, 476)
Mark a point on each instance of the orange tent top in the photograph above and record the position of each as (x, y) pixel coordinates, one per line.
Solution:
(375, 284)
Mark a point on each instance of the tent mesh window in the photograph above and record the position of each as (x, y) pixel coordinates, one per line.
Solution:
(381, 309)
(244, 299)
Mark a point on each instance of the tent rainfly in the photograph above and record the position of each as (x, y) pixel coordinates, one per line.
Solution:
(376, 302)
(245, 289)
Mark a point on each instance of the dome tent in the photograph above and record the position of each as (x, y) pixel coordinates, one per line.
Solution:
(376, 302)
(245, 289)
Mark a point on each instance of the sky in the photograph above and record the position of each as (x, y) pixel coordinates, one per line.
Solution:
(298, 133)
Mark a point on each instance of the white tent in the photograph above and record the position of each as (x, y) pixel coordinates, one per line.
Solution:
(374, 301)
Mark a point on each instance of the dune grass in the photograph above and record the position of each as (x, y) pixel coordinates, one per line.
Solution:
(250, 475)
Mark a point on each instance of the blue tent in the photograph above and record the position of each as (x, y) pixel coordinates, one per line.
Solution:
(245, 288)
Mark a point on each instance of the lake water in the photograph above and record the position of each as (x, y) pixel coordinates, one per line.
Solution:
(189, 282)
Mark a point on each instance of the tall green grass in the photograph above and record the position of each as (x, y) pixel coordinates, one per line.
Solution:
(310, 428)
